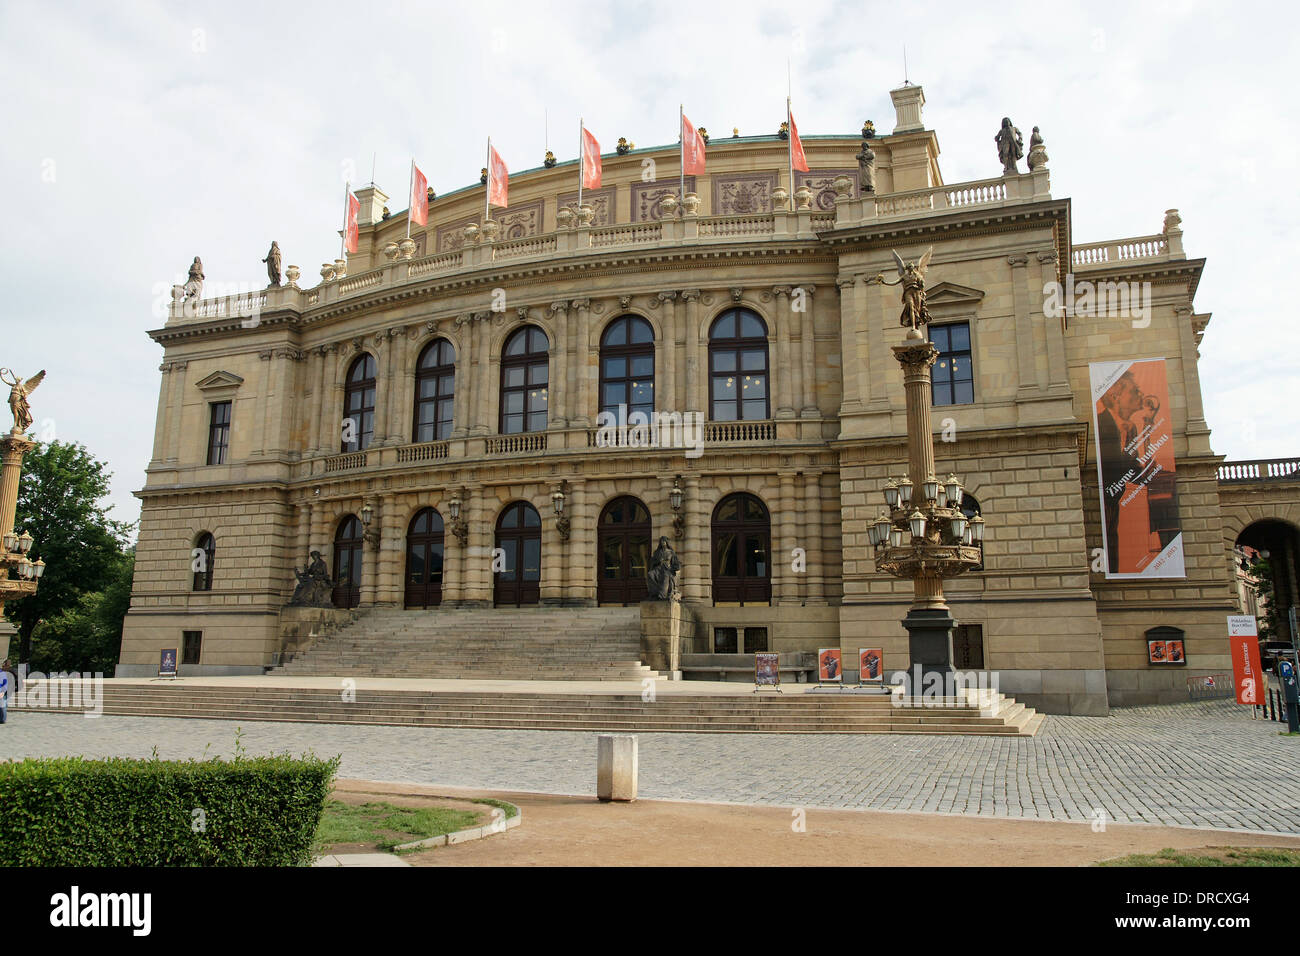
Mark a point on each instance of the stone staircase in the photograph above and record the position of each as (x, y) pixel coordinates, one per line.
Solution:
(616, 710)
(533, 643)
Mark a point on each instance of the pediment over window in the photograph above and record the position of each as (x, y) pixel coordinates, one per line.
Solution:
(219, 380)
(952, 295)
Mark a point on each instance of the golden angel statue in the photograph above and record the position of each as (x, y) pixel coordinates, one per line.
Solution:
(18, 392)
(912, 277)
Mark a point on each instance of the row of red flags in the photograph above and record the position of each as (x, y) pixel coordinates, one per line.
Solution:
(498, 177)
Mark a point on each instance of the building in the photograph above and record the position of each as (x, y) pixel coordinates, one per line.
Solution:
(428, 401)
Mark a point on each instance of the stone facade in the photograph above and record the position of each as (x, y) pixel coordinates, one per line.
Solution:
(1061, 637)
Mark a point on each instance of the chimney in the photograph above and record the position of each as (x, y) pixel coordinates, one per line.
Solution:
(372, 200)
(908, 100)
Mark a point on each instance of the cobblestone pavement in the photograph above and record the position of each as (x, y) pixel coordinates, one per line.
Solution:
(1196, 764)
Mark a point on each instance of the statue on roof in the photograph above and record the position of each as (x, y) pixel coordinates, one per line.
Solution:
(1011, 147)
(273, 261)
(866, 168)
(194, 286)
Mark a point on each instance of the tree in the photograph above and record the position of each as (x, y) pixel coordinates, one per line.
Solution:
(58, 504)
(86, 637)
(1269, 622)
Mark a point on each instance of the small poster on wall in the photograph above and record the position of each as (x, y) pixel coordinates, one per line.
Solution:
(1174, 650)
(766, 672)
(871, 668)
(167, 662)
(1157, 652)
(829, 670)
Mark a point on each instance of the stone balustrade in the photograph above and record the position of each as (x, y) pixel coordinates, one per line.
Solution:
(1260, 469)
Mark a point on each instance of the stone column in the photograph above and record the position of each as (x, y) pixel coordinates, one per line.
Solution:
(582, 409)
(1027, 376)
(371, 556)
(815, 577)
(785, 584)
(580, 579)
(1058, 376)
(562, 370)
(321, 536)
(874, 373)
(275, 426)
(331, 400)
(807, 362)
(397, 390)
(851, 400)
(697, 561)
(696, 357)
(12, 449)
(478, 558)
(160, 420)
(302, 542)
(176, 420)
(665, 369)
(463, 399)
(317, 371)
(782, 367)
(485, 404)
(392, 553)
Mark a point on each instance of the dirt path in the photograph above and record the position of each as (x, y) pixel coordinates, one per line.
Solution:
(579, 831)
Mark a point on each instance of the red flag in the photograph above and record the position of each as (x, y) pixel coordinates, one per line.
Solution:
(419, 205)
(692, 149)
(797, 158)
(590, 160)
(351, 232)
(498, 178)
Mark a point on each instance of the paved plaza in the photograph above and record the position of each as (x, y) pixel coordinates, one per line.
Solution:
(1196, 764)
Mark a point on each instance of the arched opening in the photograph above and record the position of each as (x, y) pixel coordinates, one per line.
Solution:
(519, 572)
(202, 563)
(435, 392)
(359, 404)
(1264, 560)
(738, 381)
(424, 554)
(348, 543)
(627, 367)
(525, 374)
(623, 549)
(742, 547)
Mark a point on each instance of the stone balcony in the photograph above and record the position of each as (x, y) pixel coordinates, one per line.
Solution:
(1260, 470)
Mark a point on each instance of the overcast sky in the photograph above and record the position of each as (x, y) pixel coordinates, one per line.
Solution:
(138, 135)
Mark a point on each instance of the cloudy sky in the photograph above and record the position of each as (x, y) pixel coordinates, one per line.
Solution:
(137, 135)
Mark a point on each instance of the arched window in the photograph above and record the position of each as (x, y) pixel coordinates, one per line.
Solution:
(623, 546)
(738, 367)
(348, 542)
(424, 553)
(435, 384)
(359, 404)
(524, 376)
(519, 538)
(202, 562)
(627, 367)
(742, 545)
(970, 507)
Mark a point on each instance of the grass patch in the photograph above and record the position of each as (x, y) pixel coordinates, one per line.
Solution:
(509, 809)
(1212, 856)
(385, 826)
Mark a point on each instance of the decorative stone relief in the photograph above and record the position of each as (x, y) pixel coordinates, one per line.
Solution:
(647, 198)
(519, 222)
(451, 236)
(821, 182)
(743, 194)
(601, 202)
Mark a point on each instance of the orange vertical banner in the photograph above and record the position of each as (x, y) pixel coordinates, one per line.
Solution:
(1247, 673)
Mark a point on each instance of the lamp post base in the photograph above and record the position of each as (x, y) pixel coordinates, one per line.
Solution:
(929, 642)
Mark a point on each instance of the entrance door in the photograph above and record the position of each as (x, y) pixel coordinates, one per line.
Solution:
(519, 536)
(742, 536)
(347, 563)
(424, 560)
(623, 550)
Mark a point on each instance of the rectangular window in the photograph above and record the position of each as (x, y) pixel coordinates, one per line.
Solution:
(724, 640)
(968, 647)
(192, 646)
(219, 433)
(952, 378)
(755, 639)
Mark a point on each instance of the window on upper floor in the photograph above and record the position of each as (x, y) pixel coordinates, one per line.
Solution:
(359, 404)
(952, 378)
(218, 432)
(627, 367)
(525, 375)
(435, 384)
(202, 559)
(738, 368)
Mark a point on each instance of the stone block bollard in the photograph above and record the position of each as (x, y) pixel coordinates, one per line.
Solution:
(616, 767)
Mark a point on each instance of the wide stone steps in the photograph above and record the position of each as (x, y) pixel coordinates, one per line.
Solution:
(592, 712)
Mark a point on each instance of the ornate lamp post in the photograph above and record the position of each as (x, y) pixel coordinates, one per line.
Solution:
(14, 547)
(924, 535)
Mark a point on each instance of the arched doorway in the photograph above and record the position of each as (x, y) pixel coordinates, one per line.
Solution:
(1266, 578)
(519, 537)
(424, 552)
(623, 549)
(742, 547)
(347, 562)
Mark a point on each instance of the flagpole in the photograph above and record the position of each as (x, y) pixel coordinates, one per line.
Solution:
(343, 240)
(582, 159)
(487, 212)
(410, 198)
(681, 134)
(789, 152)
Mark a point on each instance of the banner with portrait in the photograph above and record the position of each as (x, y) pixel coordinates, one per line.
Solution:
(1141, 533)
(766, 669)
(829, 670)
(871, 666)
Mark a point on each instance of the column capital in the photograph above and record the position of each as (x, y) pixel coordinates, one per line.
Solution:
(559, 305)
(580, 304)
(690, 295)
(666, 296)
(1016, 261)
(780, 290)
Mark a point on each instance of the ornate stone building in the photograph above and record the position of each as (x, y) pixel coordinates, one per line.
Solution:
(423, 409)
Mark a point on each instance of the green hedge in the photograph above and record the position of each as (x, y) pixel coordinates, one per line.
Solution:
(68, 811)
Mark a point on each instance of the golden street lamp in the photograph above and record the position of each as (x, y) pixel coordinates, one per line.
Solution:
(14, 547)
